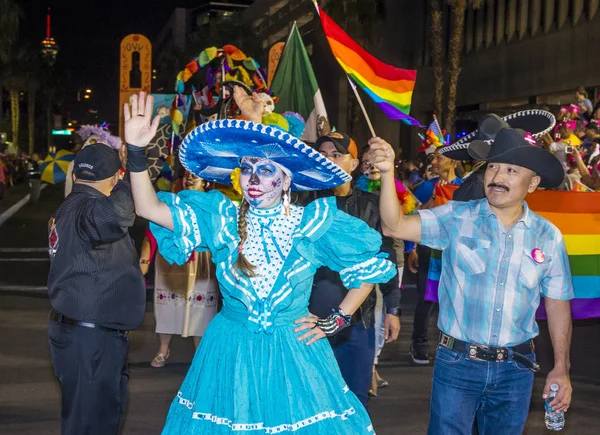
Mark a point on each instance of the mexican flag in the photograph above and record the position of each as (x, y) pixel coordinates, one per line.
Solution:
(296, 86)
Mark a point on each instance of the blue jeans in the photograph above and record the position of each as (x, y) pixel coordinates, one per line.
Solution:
(496, 394)
(354, 350)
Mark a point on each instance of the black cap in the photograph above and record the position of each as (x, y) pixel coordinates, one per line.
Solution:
(96, 162)
(342, 142)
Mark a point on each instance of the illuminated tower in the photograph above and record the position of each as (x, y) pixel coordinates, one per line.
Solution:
(49, 47)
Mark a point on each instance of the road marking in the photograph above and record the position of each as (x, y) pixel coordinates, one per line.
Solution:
(22, 259)
(13, 250)
(25, 288)
(16, 207)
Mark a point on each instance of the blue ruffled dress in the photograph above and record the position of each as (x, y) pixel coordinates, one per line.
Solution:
(250, 374)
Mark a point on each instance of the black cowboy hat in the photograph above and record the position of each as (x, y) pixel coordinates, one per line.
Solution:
(538, 122)
(516, 147)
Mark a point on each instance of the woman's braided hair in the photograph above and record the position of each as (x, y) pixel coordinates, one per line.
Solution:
(242, 263)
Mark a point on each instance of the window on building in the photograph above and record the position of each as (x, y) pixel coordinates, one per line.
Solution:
(295, 3)
(281, 13)
(281, 34)
(256, 24)
(305, 19)
(202, 19)
(277, 6)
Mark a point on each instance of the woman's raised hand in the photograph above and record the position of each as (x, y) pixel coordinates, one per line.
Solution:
(140, 128)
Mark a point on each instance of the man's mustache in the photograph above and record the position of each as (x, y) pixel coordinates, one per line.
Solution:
(498, 186)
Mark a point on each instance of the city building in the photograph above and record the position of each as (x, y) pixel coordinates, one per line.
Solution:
(187, 17)
(516, 54)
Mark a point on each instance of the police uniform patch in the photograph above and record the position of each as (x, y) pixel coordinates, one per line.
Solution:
(52, 237)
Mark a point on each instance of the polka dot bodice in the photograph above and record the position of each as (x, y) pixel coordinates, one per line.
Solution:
(269, 243)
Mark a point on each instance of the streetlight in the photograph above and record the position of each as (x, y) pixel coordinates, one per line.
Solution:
(86, 93)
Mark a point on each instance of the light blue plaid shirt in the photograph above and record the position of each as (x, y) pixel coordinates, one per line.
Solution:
(490, 284)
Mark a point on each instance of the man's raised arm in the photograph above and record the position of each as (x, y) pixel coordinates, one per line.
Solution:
(393, 222)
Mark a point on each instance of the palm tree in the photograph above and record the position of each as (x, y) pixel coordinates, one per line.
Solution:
(15, 81)
(457, 23)
(21, 74)
(457, 27)
(437, 55)
(33, 86)
(458, 9)
(9, 28)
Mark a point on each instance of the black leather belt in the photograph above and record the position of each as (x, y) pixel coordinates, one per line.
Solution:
(61, 318)
(479, 352)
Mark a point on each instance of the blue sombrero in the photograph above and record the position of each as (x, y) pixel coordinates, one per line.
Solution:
(214, 149)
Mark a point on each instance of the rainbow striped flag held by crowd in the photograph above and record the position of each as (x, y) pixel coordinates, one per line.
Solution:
(434, 135)
(433, 138)
(390, 87)
(577, 216)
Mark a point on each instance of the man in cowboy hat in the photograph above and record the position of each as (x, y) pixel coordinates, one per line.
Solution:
(499, 258)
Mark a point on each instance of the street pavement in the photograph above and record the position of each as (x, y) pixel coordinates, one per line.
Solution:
(30, 397)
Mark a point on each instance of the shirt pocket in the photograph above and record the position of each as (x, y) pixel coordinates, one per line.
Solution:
(532, 272)
(473, 254)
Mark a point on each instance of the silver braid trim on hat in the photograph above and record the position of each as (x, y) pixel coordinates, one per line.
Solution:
(535, 112)
(463, 143)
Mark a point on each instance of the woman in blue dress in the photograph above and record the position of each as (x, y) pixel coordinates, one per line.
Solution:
(261, 367)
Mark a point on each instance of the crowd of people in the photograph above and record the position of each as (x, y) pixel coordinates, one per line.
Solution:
(18, 167)
(291, 291)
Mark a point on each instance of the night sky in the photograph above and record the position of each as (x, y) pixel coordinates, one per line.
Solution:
(89, 33)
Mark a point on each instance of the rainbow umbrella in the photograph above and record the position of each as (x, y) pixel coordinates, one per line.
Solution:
(54, 168)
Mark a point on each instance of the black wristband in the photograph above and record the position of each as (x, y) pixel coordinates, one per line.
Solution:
(137, 160)
(335, 322)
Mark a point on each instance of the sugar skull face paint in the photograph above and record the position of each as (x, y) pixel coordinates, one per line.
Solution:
(262, 182)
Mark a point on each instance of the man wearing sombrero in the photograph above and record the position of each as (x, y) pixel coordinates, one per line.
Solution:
(499, 258)
(261, 367)
(537, 122)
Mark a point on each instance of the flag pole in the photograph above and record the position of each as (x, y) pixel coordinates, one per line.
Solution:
(353, 86)
(362, 106)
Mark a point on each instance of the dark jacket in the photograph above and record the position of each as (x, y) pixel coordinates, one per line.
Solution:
(94, 272)
(328, 290)
(473, 188)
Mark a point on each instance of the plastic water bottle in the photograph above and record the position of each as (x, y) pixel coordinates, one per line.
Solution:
(554, 420)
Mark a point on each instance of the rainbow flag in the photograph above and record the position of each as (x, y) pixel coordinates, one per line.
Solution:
(434, 134)
(577, 216)
(390, 87)
(433, 138)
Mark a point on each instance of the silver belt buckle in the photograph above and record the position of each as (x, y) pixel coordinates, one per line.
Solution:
(473, 352)
(447, 341)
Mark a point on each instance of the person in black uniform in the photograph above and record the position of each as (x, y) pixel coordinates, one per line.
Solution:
(97, 293)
